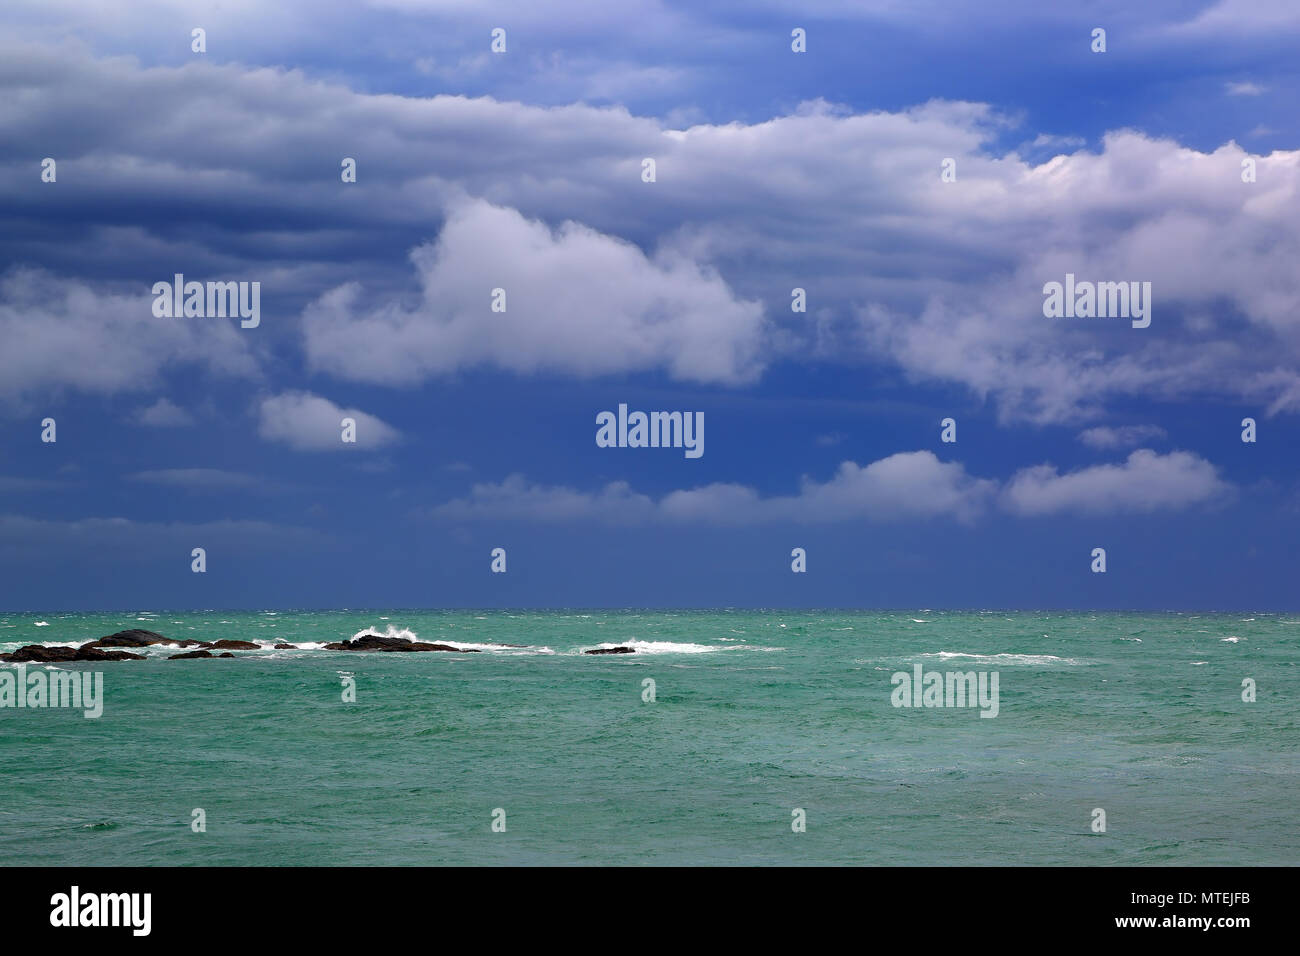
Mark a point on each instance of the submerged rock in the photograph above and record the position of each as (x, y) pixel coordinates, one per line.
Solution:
(195, 655)
(612, 650)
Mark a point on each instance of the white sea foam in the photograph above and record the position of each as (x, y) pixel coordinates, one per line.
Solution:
(1230, 640)
(673, 647)
(409, 635)
(1030, 659)
(403, 633)
(42, 624)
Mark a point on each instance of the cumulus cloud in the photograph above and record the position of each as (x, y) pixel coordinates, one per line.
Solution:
(308, 422)
(1147, 481)
(576, 301)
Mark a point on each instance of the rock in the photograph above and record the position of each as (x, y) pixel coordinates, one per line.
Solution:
(140, 638)
(227, 654)
(373, 642)
(190, 655)
(224, 645)
(39, 654)
(612, 650)
(286, 647)
(95, 654)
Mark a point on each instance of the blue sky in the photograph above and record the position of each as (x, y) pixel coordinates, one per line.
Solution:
(774, 170)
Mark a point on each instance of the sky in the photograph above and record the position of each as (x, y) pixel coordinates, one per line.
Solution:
(523, 169)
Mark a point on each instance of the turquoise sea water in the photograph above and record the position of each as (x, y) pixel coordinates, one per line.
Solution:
(756, 714)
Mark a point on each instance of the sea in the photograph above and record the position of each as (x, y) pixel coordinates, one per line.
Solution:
(726, 738)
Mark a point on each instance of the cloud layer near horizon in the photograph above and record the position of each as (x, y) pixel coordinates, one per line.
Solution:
(907, 485)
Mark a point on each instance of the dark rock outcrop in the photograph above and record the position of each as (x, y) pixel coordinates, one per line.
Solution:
(39, 654)
(373, 642)
(225, 645)
(285, 647)
(612, 650)
(190, 655)
(141, 638)
(135, 637)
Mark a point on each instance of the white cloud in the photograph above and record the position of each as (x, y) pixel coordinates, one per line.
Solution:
(905, 485)
(196, 478)
(1242, 17)
(1244, 89)
(1121, 436)
(577, 301)
(941, 280)
(1147, 481)
(64, 334)
(308, 422)
(163, 413)
(517, 498)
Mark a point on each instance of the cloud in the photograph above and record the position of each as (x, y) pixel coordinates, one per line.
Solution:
(10, 484)
(163, 413)
(517, 498)
(24, 538)
(63, 334)
(1123, 436)
(939, 280)
(308, 422)
(576, 301)
(196, 479)
(1242, 17)
(1244, 89)
(1146, 482)
(905, 485)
